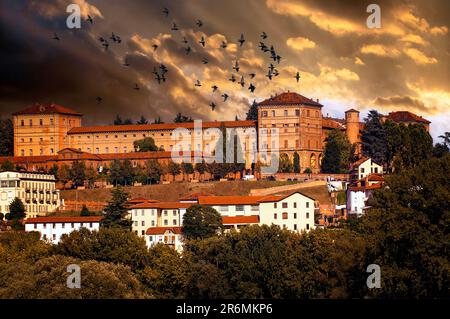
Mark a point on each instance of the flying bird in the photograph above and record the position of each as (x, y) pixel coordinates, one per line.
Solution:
(252, 75)
(136, 87)
(188, 50)
(185, 41)
(297, 76)
(55, 37)
(263, 35)
(125, 63)
(225, 97)
(233, 78)
(224, 45)
(205, 61)
(271, 67)
(155, 72)
(98, 99)
(278, 58)
(241, 40)
(90, 20)
(213, 105)
(236, 66)
(214, 87)
(269, 75)
(163, 69)
(166, 12)
(276, 73)
(242, 82)
(252, 88)
(202, 41)
(101, 39)
(105, 44)
(197, 83)
(174, 27)
(199, 23)
(159, 78)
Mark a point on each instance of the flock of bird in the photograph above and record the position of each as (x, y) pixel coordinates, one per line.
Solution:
(161, 71)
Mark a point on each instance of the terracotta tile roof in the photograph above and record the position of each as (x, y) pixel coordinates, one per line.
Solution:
(405, 116)
(364, 188)
(289, 98)
(375, 177)
(47, 109)
(75, 219)
(360, 161)
(328, 122)
(229, 200)
(162, 230)
(157, 127)
(232, 220)
(140, 200)
(146, 155)
(162, 205)
(352, 110)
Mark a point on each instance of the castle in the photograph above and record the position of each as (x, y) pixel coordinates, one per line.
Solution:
(47, 130)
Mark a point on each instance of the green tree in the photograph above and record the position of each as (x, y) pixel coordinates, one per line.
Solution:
(16, 209)
(337, 153)
(6, 137)
(126, 172)
(173, 169)
(142, 120)
(118, 120)
(373, 138)
(115, 213)
(85, 211)
(2, 217)
(252, 114)
(63, 174)
(128, 122)
(446, 138)
(145, 145)
(187, 168)
(158, 120)
(115, 173)
(153, 170)
(77, 173)
(201, 222)
(201, 168)
(285, 164)
(7, 165)
(115, 245)
(296, 163)
(182, 118)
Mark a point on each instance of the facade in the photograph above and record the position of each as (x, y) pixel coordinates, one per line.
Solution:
(363, 168)
(52, 228)
(288, 123)
(37, 191)
(161, 222)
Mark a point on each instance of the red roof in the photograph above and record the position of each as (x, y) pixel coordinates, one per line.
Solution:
(364, 188)
(232, 220)
(162, 205)
(47, 109)
(162, 230)
(229, 200)
(405, 116)
(290, 98)
(157, 127)
(375, 177)
(328, 122)
(75, 219)
(352, 110)
(140, 200)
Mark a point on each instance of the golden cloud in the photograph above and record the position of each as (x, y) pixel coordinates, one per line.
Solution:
(380, 50)
(419, 57)
(300, 43)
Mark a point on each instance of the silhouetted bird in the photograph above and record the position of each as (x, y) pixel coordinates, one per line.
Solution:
(174, 27)
(199, 23)
(263, 35)
(252, 88)
(115, 38)
(163, 78)
(158, 78)
(197, 83)
(185, 41)
(55, 37)
(271, 67)
(241, 40)
(205, 61)
(202, 41)
(225, 97)
(278, 58)
(154, 46)
(90, 20)
(188, 50)
(242, 82)
(269, 75)
(101, 39)
(224, 45)
(166, 12)
(98, 99)
(105, 44)
(297, 76)
(125, 63)
(275, 72)
(236, 66)
(252, 75)
(136, 87)
(214, 87)
(155, 72)
(163, 69)
(213, 105)
(233, 78)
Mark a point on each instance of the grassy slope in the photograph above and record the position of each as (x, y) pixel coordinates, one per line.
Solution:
(173, 192)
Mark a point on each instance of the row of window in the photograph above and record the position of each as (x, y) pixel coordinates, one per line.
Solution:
(165, 212)
(286, 205)
(63, 225)
(286, 216)
(153, 223)
(42, 122)
(307, 113)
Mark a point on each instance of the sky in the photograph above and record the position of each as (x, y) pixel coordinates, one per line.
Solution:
(404, 65)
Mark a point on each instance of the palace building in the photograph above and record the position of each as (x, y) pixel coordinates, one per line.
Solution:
(287, 123)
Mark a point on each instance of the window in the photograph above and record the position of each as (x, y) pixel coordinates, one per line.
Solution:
(45, 226)
(35, 226)
(274, 205)
(166, 222)
(54, 236)
(31, 122)
(153, 223)
(297, 112)
(307, 215)
(135, 223)
(22, 123)
(362, 169)
(307, 113)
(143, 232)
(273, 113)
(285, 215)
(174, 222)
(295, 205)
(295, 226)
(41, 122)
(239, 208)
(63, 225)
(275, 216)
(295, 215)
(264, 114)
(174, 213)
(307, 226)
(165, 213)
(285, 112)
(307, 204)
(284, 205)
(223, 208)
(143, 223)
(286, 143)
(54, 226)
(142, 212)
(254, 208)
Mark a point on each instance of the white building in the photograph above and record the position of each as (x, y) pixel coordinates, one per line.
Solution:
(37, 191)
(170, 236)
(52, 228)
(363, 168)
(359, 194)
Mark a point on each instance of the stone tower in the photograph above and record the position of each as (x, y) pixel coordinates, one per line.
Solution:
(352, 125)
